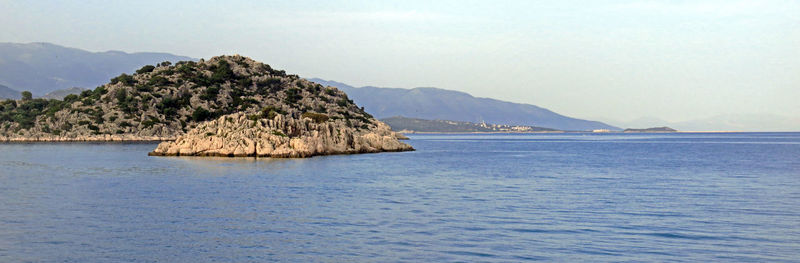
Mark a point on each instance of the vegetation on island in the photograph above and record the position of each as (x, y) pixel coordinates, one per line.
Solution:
(165, 100)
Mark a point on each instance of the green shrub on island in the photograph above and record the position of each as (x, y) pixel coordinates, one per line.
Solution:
(201, 114)
(145, 69)
(125, 79)
(293, 95)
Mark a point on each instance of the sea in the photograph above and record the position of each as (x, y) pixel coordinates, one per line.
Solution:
(571, 197)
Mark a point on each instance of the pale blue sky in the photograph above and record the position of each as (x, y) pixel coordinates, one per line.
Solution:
(613, 60)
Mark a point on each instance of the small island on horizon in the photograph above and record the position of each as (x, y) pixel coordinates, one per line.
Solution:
(662, 129)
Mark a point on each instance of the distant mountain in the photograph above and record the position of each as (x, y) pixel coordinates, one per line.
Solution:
(60, 94)
(8, 93)
(43, 67)
(403, 124)
(441, 104)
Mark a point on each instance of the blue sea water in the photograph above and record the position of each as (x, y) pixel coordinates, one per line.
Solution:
(458, 198)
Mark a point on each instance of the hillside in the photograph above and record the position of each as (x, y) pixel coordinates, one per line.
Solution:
(433, 103)
(165, 101)
(410, 125)
(43, 67)
(8, 93)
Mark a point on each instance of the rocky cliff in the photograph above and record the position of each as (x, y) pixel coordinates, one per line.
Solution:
(165, 101)
(241, 135)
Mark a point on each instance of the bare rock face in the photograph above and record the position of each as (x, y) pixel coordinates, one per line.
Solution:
(239, 135)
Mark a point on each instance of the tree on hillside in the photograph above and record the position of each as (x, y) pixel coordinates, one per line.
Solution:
(27, 95)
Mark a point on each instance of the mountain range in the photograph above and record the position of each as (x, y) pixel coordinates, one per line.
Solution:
(60, 94)
(43, 67)
(8, 93)
(441, 104)
(411, 125)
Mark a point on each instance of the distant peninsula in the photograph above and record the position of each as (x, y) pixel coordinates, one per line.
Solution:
(651, 130)
(223, 106)
(414, 125)
(441, 104)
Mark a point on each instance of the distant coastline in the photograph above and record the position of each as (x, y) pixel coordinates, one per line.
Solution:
(486, 132)
(586, 132)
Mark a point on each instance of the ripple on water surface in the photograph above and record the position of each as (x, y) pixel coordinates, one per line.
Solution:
(469, 198)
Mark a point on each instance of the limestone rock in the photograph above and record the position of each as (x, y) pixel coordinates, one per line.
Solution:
(237, 135)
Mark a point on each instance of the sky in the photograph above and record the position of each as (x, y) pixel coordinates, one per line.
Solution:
(609, 60)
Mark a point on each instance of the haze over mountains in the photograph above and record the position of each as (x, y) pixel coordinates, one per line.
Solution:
(60, 94)
(8, 93)
(43, 67)
(441, 104)
(411, 125)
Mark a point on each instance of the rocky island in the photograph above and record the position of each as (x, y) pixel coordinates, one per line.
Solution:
(224, 106)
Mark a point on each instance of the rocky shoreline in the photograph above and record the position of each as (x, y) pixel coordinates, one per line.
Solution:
(236, 135)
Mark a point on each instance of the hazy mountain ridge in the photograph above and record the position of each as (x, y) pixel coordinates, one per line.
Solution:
(434, 103)
(8, 93)
(60, 94)
(43, 67)
(409, 125)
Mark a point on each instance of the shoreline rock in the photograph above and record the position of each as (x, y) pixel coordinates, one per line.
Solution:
(236, 135)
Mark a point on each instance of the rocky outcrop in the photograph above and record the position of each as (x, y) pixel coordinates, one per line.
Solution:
(239, 135)
(224, 106)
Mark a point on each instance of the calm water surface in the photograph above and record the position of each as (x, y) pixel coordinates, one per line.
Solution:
(471, 198)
